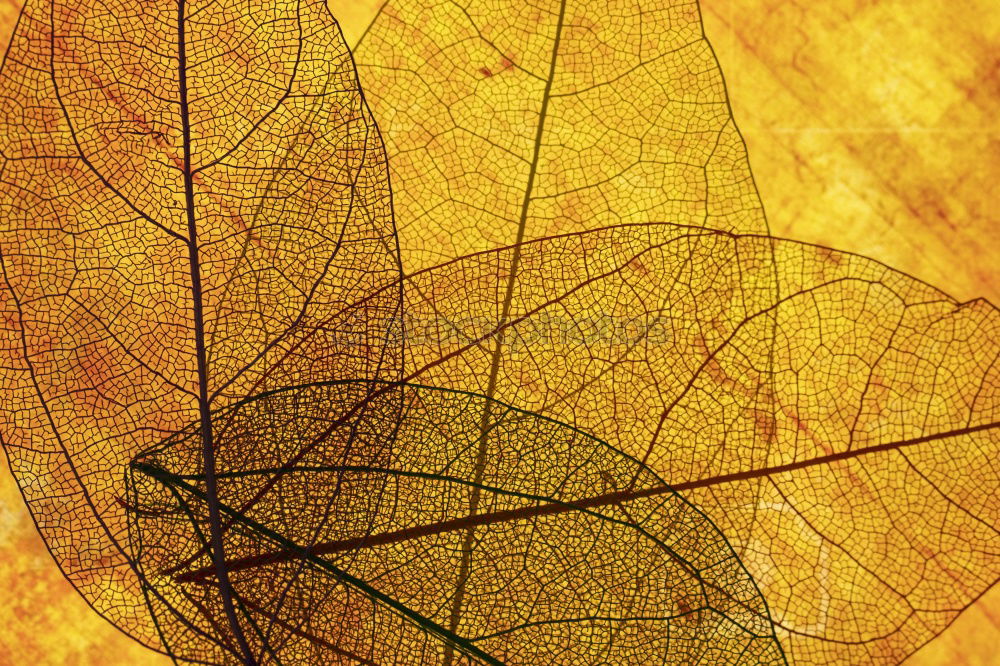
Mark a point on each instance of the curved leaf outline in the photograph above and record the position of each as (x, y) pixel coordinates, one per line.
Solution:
(188, 188)
(779, 516)
(580, 553)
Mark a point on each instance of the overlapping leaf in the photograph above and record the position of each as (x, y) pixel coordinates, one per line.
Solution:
(419, 537)
(843, 435)
(197, 216)
(197, 220)
(836, 418)
(158, 158)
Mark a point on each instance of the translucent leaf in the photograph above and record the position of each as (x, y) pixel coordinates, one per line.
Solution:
(510, 120)
(841, 428)
(187, 189)
(440, 528)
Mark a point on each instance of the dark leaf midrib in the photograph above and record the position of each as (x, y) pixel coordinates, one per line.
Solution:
(204, 408)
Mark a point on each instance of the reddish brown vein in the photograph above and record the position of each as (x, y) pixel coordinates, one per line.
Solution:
(302, 633)
(540, 510)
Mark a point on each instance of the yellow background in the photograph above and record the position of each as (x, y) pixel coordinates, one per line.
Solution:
(872, 126)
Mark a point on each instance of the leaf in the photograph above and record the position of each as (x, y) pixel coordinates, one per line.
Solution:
(841, 430)
(508, 120)
(365, 549)
(187, 189)
(821, 367)
(198, 222)
(748, 355)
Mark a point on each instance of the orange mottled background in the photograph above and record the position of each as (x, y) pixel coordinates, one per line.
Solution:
(872, 126)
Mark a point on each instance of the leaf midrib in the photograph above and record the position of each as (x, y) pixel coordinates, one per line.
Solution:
(549, 507)
(198, 315)
(427, 624)
(480, 463)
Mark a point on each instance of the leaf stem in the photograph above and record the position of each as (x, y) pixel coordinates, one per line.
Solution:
(465, 564)
(543, 508)
(208, 448)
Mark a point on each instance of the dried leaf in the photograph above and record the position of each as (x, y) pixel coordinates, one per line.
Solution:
(443, 528)
(841, 429)
(187, 188)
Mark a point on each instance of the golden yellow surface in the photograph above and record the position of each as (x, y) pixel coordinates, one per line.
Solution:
(44, 620)
(873, 127)
(869, 128)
